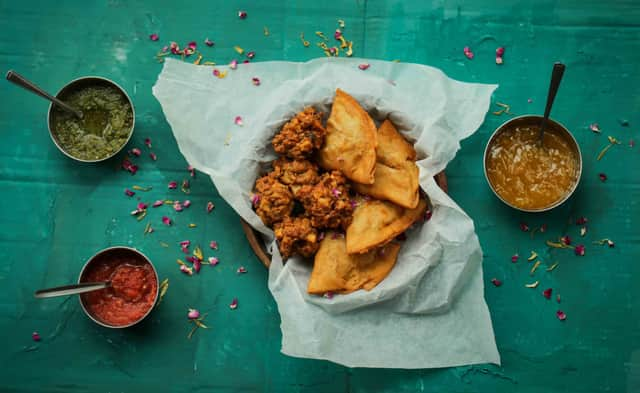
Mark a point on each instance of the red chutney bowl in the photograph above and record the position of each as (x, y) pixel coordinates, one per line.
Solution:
(133, 292)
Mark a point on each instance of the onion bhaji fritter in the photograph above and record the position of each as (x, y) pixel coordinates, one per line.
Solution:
(295, 235)
(295, 173)
(327, 203)
(274, 201)
(301, 135)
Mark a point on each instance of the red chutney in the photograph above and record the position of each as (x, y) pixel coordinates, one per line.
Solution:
(132, 293)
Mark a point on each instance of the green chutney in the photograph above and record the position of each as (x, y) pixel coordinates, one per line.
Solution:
(104, 128)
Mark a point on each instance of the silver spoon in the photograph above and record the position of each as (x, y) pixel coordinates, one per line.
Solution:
(556, 77)
(71, 289)
(19, 80)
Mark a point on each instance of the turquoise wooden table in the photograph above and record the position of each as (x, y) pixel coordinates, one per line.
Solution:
(56, 213)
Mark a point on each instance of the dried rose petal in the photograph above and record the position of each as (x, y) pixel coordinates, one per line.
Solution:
(500, 51)
(255, 81)
(158, 203)
(499, 60)
(238, 121)
(35, 336)
(208, 42)
(245, 61)
(213, 245)
(543, 228)
(364, 66)
(192, 45)
(185, 186)
(129, 166)
(561, 315)
(632, 143)
(321, 236)
(186, 270)
(210, 207)
(251, 55)
(173, 185)
(197, 265)
(496, 282)
(193, 314)
(603, 177)
(337, 34)
(610, 243)
(547, 293)
(186, 203)
(166, 220)
(154, 37)
(192, 171)
(135, 151)
(514, 258)
(566, 240)
(177, 206)
(128, 192)
(467, 52)
(583, 231)
(213, 261)
(185, 243)
(581, 221)
(242, 14)
(142, 206)
(234, 304)
(558, 298)
(594, 127)
(153, 156)
(524, 227)
(428, 214)
(234, 64)
(255, 199)
(335, 192)
(579, 250)
(328, 295)
(147, 142)
(241, 270)
(216, 72)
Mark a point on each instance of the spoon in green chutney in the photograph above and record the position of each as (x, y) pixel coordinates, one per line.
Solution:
(19, 80)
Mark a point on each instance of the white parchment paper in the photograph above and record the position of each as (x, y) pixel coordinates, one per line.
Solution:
(430, 310)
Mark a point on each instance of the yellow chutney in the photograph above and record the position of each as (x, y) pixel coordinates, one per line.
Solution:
(528, 175)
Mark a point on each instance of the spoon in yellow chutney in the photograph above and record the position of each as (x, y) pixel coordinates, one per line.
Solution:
(556, 78)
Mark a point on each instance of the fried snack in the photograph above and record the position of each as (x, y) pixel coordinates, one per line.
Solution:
(396, 174)
(378, 222)
(336, 271)
(295, 173)
(274, 201)
(327, 203)
(351, 140)
(295, 235)
(393, 150)
(299, 137)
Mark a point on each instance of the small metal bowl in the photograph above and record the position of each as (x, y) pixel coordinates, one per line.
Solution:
(108, 253)
(78, 84)
(552, 126)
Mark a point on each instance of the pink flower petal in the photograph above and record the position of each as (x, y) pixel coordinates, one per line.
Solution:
(255, 199)
(632, 143)
(142, 206)
(547, 293)
(153, 156)
(558, 298)
(129, 166)
(364, 66)
(255, 81)
(499, 60)
(242, 14)
(197, 265)
(135, 151)
(210, 207)
(238, 121)
(245, 61)
(234, 304)
(610, 243)
(177, 206)
(566, 240)
(603, 177)
(158, 203)
(216, 72)
(193, 314)
(594, 127)
(191, 258)
(335, 192)
(185, 243)
(213, 261)
(529, 100)
(35, 336)
(581, 221)
(524, 227)
(128, 192)
(192, 45)
(192, 171)
(185, 185)
(173, 185)
(467, 52)
(186, 203)
(166, 220)
(579, 250)
(543, 228)
(496, 282)
(208, 42)
(154, 37)
(428, 214)
(147, 142)
(561, 315)
(500, 52)
(186, 270)
(514, 258)
(241, 270)
(251, 55)
(213, 245)
(328, 295)
(165, 49)
(234, 64)
(337, 34)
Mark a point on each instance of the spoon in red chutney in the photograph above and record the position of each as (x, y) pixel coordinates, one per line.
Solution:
(556, 78)
(71, 289)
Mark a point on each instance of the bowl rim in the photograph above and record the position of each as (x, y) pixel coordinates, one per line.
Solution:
(571, 140)
(80, 79)
(112, 249)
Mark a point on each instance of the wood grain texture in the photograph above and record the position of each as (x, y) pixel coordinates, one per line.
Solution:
(58, 213)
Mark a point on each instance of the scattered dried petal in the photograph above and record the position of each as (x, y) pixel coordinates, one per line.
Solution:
(579, 250)
(603, 177)
(467, 52)
(192, 225)
(499, 60)
(242, 14)
(304, 42)
(543, 228)
(153, 156)
(147, 142)
(266, 31)
(241, 270)
(337, 34)
(500, 51)
(558, 298)
(210, 207)
(186, 186)
(251, 55)
(186, 270)
(192, 171)
(547, 293)
(364, 66)
(583, 231)
(177, 206)
(208, 42)
(255, 81)
(35, 336)
(135, 152)
(335, 192)
(532, 285)
(535, 267)
(514, 258)
(328, 295)
(129, 166)
(561, 315)
(594, 127)
(238, 49)
(632, 143)
(255, 199)
(213, 245)
(213, 261)
(238, 121)
(197, 265)
(524, 227)
(234, 64)
(581, 221)
(173, 185)
(164, 286)
(533, 256)
(186, 203)
(610, 243)
(550, 268)
(566, 240)
(496, 282)
(234, 304)
(128, 192)
(157, 203)
(154, 37)
(529, 100)
(193, 314)
(427, 214)
(185, 243)
(166, 220)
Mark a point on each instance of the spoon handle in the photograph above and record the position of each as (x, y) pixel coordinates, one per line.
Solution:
(556, 78)
(19, 80)
(71, 289)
